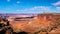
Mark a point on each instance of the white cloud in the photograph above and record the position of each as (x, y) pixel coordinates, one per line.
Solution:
(58, 8)
(57, 3)
(38, 8)
(18, 2)
(17, 10)
(8, 0)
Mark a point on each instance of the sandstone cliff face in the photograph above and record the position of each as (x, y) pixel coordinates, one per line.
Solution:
(40, 23)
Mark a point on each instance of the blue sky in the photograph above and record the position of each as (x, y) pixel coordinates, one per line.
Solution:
(29, 6)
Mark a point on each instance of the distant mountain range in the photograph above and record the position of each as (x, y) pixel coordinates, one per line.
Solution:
(22, 15)
(25, 15)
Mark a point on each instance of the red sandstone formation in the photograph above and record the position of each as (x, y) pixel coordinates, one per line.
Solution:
(39, 23)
